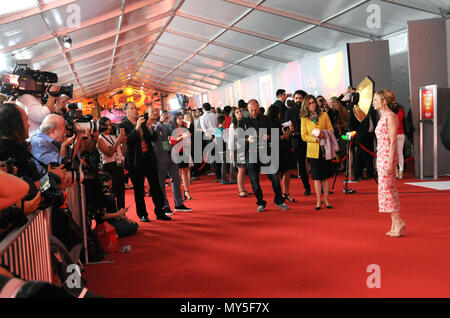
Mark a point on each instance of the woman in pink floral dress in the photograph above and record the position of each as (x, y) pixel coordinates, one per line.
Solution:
(386, 132)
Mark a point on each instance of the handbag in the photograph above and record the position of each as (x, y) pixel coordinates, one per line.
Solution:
(106, 234)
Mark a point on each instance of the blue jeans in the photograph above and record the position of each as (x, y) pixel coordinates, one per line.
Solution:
(253, 173)
(123, 228)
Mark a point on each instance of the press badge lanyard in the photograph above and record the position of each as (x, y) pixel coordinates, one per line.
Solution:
(165, 144)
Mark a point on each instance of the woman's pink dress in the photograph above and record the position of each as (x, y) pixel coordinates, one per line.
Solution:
(388, 200)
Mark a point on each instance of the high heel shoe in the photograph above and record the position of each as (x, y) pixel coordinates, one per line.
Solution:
(288, 197)
(328, 205)
(319, 206)
(187, 196)
(399, 230)
(388, 233)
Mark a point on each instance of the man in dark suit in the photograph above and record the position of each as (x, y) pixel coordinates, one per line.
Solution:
(291, 112)
(281, 98)
(298, 144)
(140, 161)
(258, 121)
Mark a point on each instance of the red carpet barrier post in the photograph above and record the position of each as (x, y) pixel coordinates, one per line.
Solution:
(348, 140)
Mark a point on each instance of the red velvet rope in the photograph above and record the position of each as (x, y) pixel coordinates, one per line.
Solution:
(204, 162)
(369, 152)
(374, 155)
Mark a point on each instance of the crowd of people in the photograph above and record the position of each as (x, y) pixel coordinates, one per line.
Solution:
(309, 133)
(296, 137)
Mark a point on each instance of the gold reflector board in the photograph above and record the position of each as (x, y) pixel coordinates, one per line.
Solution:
(365, 90)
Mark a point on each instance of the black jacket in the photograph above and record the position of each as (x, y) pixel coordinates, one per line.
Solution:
(279, 104)
(133, 155)
(293, 114)
(362, 128)
(260, 122)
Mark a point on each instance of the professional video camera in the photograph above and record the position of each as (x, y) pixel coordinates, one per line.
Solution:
(23, 80)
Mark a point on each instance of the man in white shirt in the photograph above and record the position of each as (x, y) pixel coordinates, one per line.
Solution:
(34, 109)
(208, 122)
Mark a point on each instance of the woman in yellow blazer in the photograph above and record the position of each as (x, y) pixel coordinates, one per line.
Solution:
(321, 169)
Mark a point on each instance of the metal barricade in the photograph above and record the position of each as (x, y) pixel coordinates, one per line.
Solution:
(76, 201)
(26, 250)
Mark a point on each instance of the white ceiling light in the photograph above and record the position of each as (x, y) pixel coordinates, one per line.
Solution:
(67, 41)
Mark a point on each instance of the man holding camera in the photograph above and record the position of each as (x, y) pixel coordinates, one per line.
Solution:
(36, 111)
(49, 143)
(140, 161)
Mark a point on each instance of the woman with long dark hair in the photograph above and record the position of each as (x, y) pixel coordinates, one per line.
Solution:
(189, 120)
(181, 134)
(235, 150)
(13, 134)
(112, 149)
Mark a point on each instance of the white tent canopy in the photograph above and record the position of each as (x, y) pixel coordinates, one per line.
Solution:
(187, 46)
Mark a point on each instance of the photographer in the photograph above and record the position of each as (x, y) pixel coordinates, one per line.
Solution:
(35, 110)
(140, 161)
(14, 153)
(49, 144)
(12, 203)
(111, 150)
(12, 189)
(13, 133)
(107, 210)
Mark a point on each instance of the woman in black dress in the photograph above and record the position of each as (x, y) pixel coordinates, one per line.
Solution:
(285, 156)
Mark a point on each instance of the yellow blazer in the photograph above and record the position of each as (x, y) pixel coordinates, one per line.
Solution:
(313, 146)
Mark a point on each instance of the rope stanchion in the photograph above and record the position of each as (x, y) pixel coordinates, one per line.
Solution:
(367, 150)
(343, 159)
(340, 160)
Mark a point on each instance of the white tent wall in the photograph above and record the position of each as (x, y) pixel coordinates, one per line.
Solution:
(428, 56)
(398, 49)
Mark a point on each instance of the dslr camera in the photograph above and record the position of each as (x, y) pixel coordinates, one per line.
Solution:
(76, 122)
(51, 195)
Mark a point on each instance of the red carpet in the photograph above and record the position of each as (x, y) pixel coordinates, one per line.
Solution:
(224, 248)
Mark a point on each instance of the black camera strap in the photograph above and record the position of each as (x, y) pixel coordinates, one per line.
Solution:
(109, 141)
(43, 165)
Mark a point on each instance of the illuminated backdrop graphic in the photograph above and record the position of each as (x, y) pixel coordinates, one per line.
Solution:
(326, 73)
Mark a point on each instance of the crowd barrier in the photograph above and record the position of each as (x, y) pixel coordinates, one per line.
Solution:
(26, 250)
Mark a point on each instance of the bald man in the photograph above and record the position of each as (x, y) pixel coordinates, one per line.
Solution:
(258, 121)
(49, 144)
